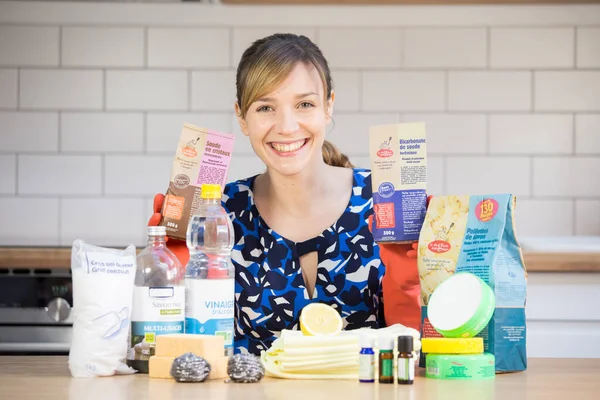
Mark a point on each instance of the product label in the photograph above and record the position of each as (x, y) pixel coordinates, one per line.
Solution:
(366, 367)
(156, 311)
(406, 369)
(210, 308)
(108, 264)
(399, 178)
(386, 368)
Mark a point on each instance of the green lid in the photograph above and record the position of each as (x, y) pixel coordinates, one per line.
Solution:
(461, 306)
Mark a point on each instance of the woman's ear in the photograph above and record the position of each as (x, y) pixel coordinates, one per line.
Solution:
(241, 120)
(329, 108)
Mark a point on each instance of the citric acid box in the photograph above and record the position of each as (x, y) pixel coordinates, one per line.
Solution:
(399, 178)
(202, 156)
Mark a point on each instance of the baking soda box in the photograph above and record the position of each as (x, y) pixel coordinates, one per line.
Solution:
(202, 156)
(399, 177)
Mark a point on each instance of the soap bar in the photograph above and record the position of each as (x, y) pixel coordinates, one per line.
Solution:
(452, 346)
(460, 366)
(160, 367)
(173, 345)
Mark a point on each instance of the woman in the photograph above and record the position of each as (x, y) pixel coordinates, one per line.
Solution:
(302, 228)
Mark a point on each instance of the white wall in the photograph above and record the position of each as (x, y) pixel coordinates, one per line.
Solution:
(93, 96)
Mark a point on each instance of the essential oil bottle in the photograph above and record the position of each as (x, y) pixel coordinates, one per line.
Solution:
(366, 360)
(406, 362)
(386, 359)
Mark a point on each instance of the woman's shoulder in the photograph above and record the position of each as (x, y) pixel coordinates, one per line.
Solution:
(237, 195)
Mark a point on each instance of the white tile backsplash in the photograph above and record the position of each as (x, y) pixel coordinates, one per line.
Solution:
(29, 221)
(9, 79)
(29, 45)
(544, 217)
(188, 47)
(568, 177)
(452, 133)
(59, 175)
(346, 86)
(8, 174)
(588, 47)
(137, 175)
(404, 91)
(103, 222)
(61, 89)
(28, 131)
(587, 217)
(488, 175)
(445, 47)
(531, 134)
(567, 91)
(532, 47)
(361, 48)
(213, 90)
(146, 90)
(103, 46)
(587, 134)
(489, 90)
(102, 132)
(92, 104)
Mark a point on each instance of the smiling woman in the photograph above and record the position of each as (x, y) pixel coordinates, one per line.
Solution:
(302, 231)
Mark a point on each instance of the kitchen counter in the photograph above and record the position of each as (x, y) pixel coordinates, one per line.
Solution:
(47, 377)
(545, 257)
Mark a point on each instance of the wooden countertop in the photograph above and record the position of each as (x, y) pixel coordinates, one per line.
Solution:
(60, 257)
(47, 377)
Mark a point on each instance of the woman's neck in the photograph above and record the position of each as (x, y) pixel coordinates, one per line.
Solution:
(299, 193)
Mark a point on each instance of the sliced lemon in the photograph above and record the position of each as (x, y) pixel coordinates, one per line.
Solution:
(320, 319)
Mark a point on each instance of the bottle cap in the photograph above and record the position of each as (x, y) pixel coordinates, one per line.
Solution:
(405, 344)
(157, 231)
(210, 191)
(386, 343)
(366, 342)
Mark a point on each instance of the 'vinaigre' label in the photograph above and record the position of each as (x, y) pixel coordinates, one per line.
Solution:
(210, 308)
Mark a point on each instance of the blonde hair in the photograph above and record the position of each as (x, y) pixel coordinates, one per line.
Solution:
(268, 61)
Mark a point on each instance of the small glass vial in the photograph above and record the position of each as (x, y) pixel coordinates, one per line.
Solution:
(406, 363)
(386, 359)
(366, 360)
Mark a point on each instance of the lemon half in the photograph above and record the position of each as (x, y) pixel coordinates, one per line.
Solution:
(320, 319)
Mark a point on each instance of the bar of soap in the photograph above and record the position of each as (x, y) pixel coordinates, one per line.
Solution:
(160, 367)
(208, 347)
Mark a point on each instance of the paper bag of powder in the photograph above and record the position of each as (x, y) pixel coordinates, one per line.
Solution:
(477, 234)
(202, 156)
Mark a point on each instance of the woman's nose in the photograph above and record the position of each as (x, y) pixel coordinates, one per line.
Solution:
(287, 122)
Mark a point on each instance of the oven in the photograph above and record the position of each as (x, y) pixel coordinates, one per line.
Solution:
(36, 315)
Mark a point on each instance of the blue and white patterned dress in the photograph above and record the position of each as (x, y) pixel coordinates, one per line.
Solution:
(269, 285)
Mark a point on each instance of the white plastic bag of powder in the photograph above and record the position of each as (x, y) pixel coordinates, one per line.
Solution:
(103, 281)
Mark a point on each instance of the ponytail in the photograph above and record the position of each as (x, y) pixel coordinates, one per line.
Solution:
(332, 156)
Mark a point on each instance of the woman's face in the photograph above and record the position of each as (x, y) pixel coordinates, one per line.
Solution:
(287, 127)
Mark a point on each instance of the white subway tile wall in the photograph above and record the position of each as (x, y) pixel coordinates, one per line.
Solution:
(91, 108)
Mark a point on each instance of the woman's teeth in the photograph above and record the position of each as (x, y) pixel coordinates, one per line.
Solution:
(288, 147)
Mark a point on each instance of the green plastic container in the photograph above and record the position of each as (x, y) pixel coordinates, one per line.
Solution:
(461, 306)
(460, 366)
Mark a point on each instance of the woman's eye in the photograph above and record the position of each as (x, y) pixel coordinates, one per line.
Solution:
(264, 108)
(305, 104)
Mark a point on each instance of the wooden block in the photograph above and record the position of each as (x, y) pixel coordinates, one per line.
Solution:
(160, 367)
(208, 347)
(218, 368)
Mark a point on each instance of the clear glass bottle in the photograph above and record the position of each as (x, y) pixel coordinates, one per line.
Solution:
(406, 362)
(209, 278)
(158, 298)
